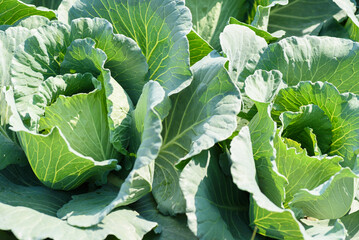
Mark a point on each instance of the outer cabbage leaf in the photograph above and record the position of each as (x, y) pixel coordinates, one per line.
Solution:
(124, 58)
(29, 211)
(329, 200)
(201, 115)
(243, 48)
(159, 28)
(262, 87)
(216, 209)
(314, 59)
(16, 10)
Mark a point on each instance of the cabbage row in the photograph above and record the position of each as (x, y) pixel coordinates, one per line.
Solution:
(166, 119)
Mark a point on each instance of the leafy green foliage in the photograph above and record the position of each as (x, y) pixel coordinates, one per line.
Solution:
(173, 119)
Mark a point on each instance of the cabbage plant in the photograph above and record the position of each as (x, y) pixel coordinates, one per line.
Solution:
(96, 113)
(172, 119)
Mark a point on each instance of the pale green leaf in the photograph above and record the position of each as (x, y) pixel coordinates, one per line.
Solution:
(303, 171)
(123, 56)
(159, 28)
(263, 130)
(201, 115)
(263, 86)
(243, 169)
(243, 48)
(330, 200)
(215, 207)
(10, 152)
(29, 211)
(314, 59)
(16, 10)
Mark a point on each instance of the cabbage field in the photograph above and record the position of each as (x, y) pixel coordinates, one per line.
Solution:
(179, 120)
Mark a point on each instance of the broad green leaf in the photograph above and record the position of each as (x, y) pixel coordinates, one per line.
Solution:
(124, 58)
(29, 211)
(303, 171)
(314, 59)
(259, 32)
(351, 224)
(147, 124)
(329, 200)
(159, 28)
(341, 109)
(16, 10)
(262, 87)
(243, 169)
(295, 19)
(168, 227)
(242, 47)
(216, 209)
(64, 168)
(201, 115)
(198, 47)
(74, 116)
(325, 229)
(209, 17)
